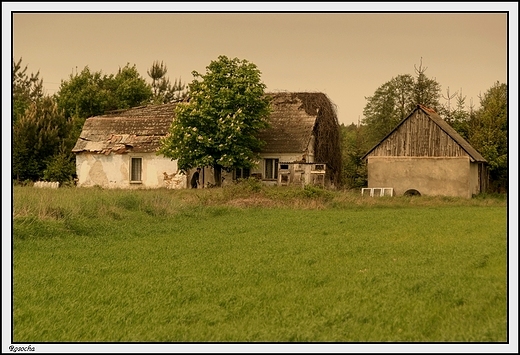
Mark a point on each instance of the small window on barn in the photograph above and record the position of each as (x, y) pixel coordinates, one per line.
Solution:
(319, 167)
(284, 166)
(271, 169)
(136, 169)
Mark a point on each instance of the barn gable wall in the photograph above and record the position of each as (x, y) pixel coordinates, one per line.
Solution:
(419, 136)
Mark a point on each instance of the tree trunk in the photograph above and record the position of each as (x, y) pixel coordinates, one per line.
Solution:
(217, 173)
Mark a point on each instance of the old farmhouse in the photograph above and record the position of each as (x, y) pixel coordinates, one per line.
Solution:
(119, 149)
(424, 155)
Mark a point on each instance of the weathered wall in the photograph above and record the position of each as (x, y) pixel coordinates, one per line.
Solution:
(113, 171)
(206, 175)
(303, 174)
(450, 176)
(281, 158)
(419, 136)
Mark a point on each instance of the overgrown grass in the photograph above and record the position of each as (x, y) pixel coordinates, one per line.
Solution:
(255, 264)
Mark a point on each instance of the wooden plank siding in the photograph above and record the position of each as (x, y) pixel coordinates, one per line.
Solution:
(419, 136)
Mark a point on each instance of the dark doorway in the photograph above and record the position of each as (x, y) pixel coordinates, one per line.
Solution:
(412, 192)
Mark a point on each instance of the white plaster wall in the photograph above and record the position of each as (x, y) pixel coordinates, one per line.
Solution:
(430, 176)
(113, 171)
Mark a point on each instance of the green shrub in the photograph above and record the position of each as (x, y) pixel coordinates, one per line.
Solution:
(60, 168)
(311, 191)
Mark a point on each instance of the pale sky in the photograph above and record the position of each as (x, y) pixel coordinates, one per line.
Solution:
(343, 54)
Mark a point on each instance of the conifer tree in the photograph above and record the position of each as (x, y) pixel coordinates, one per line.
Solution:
(27, 88)
(163, 90)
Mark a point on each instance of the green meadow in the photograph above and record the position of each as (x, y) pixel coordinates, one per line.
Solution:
(248, 263)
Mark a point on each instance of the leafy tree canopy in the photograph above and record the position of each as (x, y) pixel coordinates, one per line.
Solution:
(92, 93)
(37, 136)
(395, 100)
(128, 88)
(488, 131)
(219, 124)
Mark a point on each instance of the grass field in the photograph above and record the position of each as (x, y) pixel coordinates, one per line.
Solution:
(255, 264)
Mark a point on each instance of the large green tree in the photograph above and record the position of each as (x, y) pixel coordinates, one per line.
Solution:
(488, 131)
(395, 100)
(93, 93)
(40, 131)
(127, 88)
(163, 90)
(218, 126)
(83, 94)
(390, 103)
(38, 137)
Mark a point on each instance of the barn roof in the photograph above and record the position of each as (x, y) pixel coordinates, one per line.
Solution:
(450, 131)
(140, 129)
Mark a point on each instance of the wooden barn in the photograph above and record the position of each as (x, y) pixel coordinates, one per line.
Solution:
(424, 155)
(118, 150)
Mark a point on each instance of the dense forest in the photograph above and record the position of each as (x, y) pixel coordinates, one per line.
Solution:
(46, 127)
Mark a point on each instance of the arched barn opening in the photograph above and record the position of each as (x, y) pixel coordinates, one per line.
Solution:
(412, 192)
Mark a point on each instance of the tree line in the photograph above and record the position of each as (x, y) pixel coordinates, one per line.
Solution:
(46, 127)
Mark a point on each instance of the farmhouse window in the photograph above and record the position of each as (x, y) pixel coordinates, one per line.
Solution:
(242, 173)
(271, 168)
(136, 169)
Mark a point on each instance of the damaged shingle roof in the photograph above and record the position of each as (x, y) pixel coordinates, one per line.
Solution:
(140, 129)
(292, 122)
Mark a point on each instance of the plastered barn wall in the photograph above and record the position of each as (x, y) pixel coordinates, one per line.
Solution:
(113, 170)
(430, 176)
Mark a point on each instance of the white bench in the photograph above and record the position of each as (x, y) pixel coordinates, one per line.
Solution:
(47, 184)
(378, 191)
